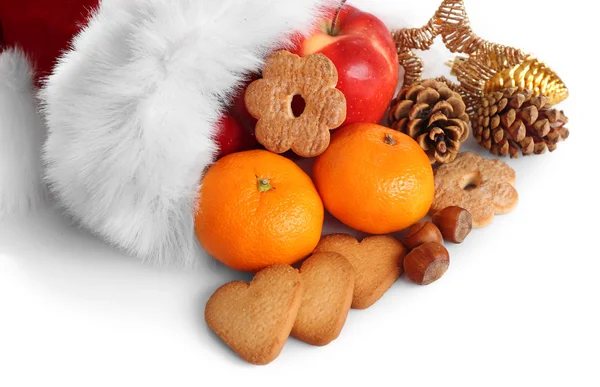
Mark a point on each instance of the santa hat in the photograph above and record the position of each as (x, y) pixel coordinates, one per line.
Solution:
(126, 121)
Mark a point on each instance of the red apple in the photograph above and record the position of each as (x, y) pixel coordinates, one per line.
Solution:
(364, 53)
(236, 127)
(238, 107)
(234, 136)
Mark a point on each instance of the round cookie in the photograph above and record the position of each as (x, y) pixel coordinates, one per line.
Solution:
(482, 186)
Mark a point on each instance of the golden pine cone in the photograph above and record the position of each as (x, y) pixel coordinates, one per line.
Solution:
(531, 74)
(511, 121)
(434, 115)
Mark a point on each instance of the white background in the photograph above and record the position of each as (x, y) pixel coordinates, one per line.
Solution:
(518, 306)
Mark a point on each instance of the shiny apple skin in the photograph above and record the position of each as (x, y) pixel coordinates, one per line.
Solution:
(365, 55)
(233, 136)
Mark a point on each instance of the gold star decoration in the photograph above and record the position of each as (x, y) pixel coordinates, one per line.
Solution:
(483, 67)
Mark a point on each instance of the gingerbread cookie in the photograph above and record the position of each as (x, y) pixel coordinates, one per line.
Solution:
(328, 279)
(269, 100)
(482, 186)
(256, 319)
(377, 261)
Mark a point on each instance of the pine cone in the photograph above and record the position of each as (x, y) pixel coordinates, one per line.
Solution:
(434, 115)
(509, 121)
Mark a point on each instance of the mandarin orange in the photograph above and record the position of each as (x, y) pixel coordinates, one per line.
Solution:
(374, 179)
(257, 209)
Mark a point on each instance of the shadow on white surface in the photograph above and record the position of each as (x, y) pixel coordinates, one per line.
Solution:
(69, 264)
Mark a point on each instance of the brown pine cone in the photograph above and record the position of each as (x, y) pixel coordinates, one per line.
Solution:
(509, 121)
(434, 115)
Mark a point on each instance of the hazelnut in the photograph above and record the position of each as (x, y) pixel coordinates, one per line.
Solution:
(427, 263)
(455, 223)
(421, 233)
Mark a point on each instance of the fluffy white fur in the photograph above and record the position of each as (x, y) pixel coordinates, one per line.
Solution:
(131, 111)
(21, 137)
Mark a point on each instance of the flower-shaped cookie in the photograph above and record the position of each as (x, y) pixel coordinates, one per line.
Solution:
(482, 186)
(269, 100)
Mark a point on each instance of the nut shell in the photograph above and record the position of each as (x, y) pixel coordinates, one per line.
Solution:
(455, 223)
(427, 263)
(422, 232)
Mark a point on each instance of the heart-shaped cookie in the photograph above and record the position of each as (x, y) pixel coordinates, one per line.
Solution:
(328, 280)
(256, 319)
(377, 261)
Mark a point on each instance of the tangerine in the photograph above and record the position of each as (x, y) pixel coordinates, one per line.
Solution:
(374, 179)
(257, 209)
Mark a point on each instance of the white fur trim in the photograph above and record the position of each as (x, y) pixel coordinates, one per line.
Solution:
(21, 137)
(131, 111)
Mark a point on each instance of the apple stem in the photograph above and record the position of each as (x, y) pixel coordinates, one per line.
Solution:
(336, 16)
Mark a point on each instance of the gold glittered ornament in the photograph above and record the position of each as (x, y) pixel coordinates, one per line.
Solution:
(532, 75)
(485, 67)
